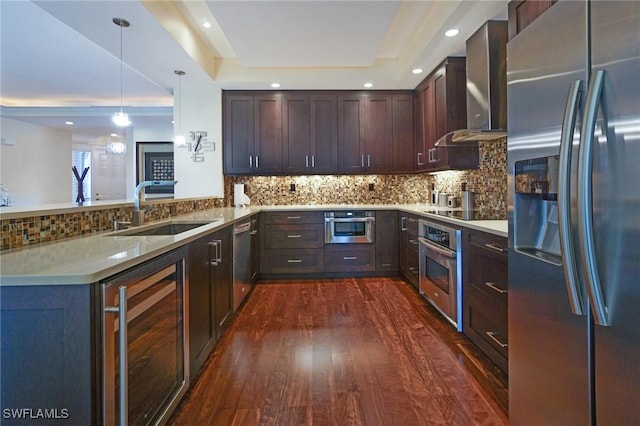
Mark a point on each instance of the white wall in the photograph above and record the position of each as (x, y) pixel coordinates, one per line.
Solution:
(37, 169)
(201, 110)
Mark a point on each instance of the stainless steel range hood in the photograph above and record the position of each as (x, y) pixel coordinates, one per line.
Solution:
(486, 88)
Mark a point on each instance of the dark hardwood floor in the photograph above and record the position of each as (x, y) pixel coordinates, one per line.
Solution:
(356, 351)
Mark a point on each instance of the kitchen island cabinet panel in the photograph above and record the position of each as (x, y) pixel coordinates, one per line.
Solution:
(47, 347)
(210, 293)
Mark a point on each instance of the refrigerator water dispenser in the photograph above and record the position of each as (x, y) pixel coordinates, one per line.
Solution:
(536, 209)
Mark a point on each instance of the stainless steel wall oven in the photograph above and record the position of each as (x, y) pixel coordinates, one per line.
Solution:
(145, 359)
(348, 227)
(441, 269)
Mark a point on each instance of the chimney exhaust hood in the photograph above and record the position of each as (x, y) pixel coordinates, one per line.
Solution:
(486, 87)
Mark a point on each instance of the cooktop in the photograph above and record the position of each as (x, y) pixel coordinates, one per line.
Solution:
(467, 214)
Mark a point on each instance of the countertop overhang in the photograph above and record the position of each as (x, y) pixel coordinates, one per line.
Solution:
(92, 258)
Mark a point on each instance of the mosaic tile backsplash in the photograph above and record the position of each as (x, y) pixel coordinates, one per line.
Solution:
(489, 183)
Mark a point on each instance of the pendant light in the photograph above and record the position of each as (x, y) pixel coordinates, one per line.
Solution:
(121, 119)
(179, 139)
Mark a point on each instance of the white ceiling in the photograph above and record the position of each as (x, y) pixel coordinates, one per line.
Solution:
(67, 53)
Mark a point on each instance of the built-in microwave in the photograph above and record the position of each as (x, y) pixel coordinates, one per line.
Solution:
(348, 227)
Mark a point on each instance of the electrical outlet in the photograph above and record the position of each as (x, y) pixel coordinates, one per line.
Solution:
(292, 187)
(371, 188)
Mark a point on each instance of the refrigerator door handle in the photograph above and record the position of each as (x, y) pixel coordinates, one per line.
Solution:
(569, 264)
(585, 194)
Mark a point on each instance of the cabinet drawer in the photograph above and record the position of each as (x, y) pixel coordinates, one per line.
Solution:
(292, 261)
(293, 217)
(294, 236)
(488, 275)
(491, 245)
(349, 258)
(413, 266)
(486, 324)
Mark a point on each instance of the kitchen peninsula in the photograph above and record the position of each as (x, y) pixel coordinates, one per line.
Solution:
(68, 277)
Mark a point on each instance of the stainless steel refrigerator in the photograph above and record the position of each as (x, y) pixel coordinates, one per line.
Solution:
(574, 216)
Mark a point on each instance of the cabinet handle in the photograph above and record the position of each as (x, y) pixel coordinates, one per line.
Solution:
(313, 161)
(294, 261)
(492, 336)
(257, 162)
(217, 252)
(350, 258)
(368, 160)
(121, 310)
(414, 271)
(251, 161)
(403, 223)
(495, 287)
(293, 217)
(412, 241)
(362, 161)
(306, 161)
(294, 236)
(421, 159)
(254, 232)
(495, 247)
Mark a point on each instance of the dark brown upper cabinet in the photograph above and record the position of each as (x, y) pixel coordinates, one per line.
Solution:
(524, 12)
(374, 131)
(441, 107)
(307, 132)
(310, 134)
(252, 134)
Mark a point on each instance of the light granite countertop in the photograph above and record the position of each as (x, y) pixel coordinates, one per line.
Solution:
(92, 258)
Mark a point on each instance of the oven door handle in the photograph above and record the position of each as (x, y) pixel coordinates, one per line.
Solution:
(440, 250)
(350, 219)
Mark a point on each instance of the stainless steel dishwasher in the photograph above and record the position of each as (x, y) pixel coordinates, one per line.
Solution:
(241, 263)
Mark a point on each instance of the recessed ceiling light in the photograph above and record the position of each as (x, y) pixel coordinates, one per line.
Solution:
(368, 85)
(69, 123)
(275, 85)
(114, 135)
(206, 24)
(452, 32)
(417, 70)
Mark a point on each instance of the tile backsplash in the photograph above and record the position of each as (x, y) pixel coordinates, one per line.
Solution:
(489, 183)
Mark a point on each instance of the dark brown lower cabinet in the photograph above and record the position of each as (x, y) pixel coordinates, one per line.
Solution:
(210, 293)
(387, 241)
(408, 248)
(46, 347)
(485, 290)
(350, 258)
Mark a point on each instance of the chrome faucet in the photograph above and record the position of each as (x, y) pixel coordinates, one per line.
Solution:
(138, 215)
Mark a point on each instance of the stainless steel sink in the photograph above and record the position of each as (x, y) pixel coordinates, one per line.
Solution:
(170, 228)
